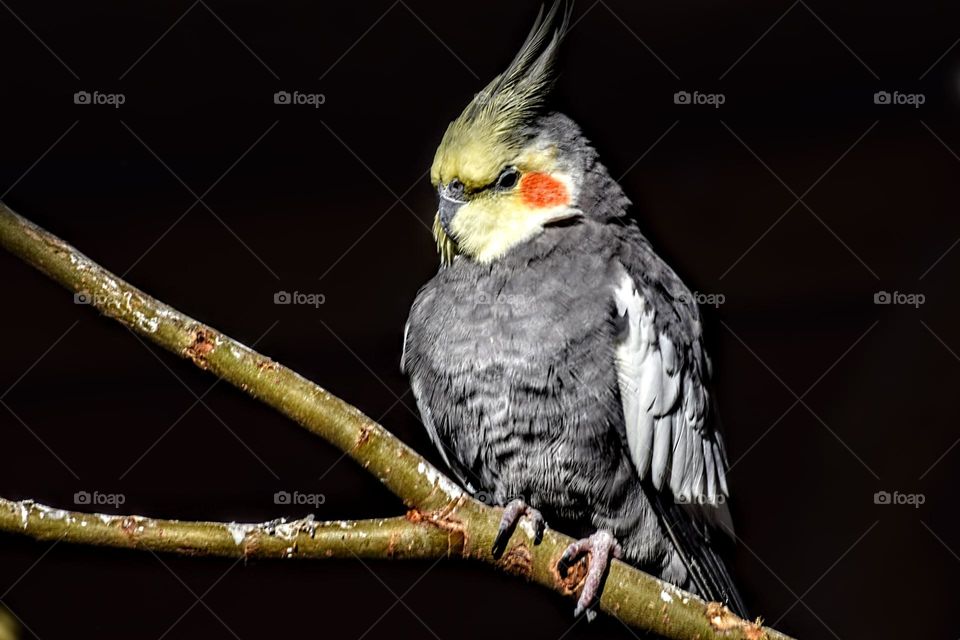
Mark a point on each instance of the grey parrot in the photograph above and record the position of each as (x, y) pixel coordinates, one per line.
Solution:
(556, 360)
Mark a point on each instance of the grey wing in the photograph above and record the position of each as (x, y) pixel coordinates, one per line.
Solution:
(669, 429)
(666, 405)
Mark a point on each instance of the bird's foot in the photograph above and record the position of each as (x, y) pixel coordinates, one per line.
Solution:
(601, 546)
(511, 515)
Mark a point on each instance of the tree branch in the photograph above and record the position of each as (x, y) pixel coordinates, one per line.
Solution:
(442, 521)
(305, 538)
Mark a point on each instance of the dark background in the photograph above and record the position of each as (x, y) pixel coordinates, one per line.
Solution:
(334, 201)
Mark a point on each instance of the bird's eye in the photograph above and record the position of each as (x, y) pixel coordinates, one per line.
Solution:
(508, 178)
(455, 188)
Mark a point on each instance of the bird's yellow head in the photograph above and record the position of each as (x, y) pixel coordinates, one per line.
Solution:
(498, 179)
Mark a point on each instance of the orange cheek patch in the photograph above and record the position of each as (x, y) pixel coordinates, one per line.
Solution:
(541, 190)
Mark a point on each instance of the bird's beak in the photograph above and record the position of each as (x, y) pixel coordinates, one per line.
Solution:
(448, 207)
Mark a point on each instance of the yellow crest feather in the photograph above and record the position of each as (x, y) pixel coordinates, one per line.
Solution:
(490, 131)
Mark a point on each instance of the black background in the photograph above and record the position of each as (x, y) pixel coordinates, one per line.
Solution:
(304, 199)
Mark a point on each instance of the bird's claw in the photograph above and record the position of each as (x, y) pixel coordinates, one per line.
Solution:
(601, 546)
(511, 515)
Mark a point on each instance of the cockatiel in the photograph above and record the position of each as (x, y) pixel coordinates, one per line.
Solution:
(557, 361)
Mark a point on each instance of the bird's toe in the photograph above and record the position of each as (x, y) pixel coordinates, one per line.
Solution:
(508, 523)
(601, 546)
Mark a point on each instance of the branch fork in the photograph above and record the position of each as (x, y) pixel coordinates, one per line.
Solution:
(442, 520)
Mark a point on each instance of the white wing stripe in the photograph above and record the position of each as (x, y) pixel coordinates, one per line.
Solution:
(665, 406)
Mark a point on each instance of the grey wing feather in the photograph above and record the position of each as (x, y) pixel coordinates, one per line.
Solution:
(696, 545)
(665, 406)
(403, 352)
